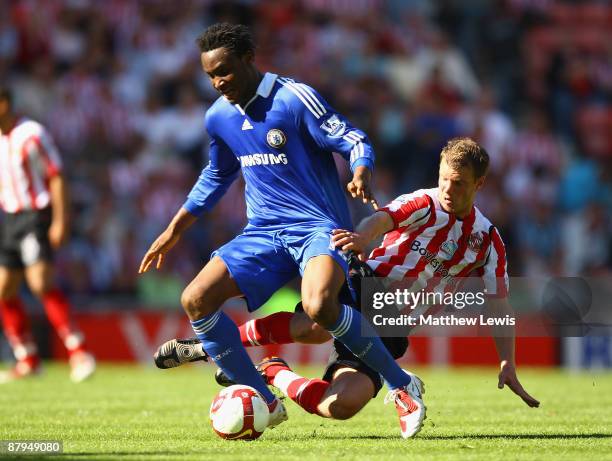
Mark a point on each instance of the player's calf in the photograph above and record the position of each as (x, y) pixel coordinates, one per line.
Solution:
(347, 394)
(305, 331)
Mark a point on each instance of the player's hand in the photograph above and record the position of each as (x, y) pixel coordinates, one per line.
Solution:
(507, 376)
(359, 187)
(58, 233)
(158, 249)
(350, 241)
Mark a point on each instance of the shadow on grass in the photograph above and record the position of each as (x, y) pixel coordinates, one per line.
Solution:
(114, 454)
(519, 436)
(322, 436)
(467, 436)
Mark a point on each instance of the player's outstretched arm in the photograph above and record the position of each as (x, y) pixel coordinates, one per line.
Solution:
(166, 240)
(504, 341)
(368, 229)
(332, 132)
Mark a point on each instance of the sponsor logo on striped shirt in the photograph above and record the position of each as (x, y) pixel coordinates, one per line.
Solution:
(449, 248)
(433, 261)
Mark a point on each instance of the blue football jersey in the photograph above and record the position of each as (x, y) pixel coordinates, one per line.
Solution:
(282, 140)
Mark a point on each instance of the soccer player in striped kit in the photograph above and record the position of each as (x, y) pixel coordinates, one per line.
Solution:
(33, 225)
(427, 234)
(281, 134)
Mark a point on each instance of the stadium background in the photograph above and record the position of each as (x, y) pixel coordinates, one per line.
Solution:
(120, 87)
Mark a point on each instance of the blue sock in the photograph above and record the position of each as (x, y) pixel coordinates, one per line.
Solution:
(369, 348)
(221, 341)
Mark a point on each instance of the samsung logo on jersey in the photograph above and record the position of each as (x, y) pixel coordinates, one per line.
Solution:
(263, 159)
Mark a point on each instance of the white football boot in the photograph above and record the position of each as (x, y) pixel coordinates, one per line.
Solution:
(82, 366)
(278, 413)
(409, 404)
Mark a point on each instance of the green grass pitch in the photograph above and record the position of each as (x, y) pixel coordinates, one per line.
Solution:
(129, 412)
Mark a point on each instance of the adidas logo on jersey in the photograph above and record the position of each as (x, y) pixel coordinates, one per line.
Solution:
(246, 125)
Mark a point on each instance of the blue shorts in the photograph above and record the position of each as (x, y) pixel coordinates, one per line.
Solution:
(262, 261)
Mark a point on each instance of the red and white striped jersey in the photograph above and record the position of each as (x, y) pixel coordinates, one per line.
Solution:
(28, 159)
(436, 249)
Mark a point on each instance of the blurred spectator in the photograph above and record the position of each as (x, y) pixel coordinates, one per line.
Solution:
(493, 129)
(120, 85)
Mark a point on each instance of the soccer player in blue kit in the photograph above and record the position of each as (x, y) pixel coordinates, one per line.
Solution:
(281, 134)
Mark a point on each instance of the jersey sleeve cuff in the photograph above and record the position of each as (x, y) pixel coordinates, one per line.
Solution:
(390, 213)
(362, 161)
(53, 170)
(193, 208)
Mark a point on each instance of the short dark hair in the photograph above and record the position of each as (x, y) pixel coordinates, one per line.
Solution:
(236, 38)
(6, 94)
(462, 152)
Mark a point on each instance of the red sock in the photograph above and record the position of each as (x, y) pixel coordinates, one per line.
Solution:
(17, 329)
(58, 311)
(307, 393)
(273, 329)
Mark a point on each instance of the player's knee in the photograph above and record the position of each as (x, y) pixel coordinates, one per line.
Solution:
(6, 294)
(9, 287)
(321, 307)
(39, 289)
(196, 303)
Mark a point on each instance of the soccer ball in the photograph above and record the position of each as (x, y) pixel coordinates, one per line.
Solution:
(239, 413)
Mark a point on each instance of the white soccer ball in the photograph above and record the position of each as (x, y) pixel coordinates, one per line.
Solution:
(239, 413)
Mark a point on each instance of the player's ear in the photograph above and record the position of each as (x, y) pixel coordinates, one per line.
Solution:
(480, 182)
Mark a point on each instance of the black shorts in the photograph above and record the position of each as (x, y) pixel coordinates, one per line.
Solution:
(24, 238)
(340, 356)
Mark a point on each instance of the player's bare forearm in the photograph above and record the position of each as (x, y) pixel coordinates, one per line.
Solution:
(502, 334)
(181, 222)
(167, 239)
(58, 192)
(375, 226)
(368, 230)
(504, 341)
(59, 228)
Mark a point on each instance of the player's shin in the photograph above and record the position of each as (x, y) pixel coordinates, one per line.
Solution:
(17, 331)
(307, 393)
(57, 309)
(221, 341)
(352, 330)
(273, 329)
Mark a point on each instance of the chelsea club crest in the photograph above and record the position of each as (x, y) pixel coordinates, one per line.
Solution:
(276, 138)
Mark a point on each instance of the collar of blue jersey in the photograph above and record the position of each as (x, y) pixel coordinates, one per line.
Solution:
(264, 89)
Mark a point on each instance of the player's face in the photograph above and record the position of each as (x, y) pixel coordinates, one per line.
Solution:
(457, 189)
(230, 75)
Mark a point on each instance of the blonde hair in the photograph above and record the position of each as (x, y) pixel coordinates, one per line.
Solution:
(463, 152)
